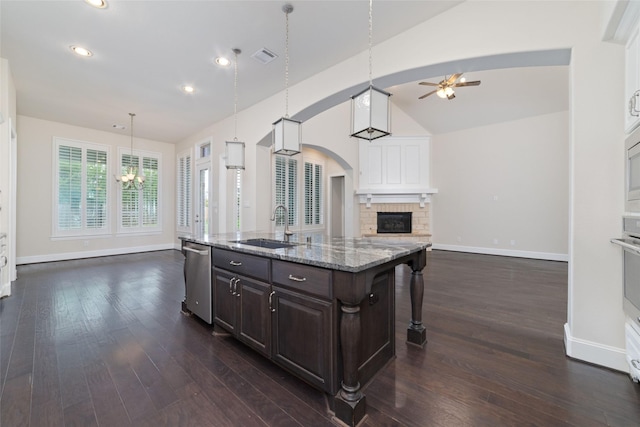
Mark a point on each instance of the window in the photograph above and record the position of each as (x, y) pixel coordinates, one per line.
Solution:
(286, 187)
(140, 209)
(313, 197)
(81, 188)
(183, 185)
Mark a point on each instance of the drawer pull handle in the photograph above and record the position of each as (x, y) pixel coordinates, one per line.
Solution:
(297, 279)
(235, 263)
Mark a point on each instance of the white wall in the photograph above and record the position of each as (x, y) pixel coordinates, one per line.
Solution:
(35, 163)
(508, 182)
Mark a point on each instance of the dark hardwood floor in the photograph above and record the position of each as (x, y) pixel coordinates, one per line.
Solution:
(102, 342)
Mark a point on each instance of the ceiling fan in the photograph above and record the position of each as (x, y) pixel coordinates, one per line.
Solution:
(445, 87)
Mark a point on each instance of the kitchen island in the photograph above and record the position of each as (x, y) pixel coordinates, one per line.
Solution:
(322, 308)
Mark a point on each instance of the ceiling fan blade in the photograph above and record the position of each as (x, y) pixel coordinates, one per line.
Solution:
(428, 84)
(427, 94)
(453, 78)
(474, 83)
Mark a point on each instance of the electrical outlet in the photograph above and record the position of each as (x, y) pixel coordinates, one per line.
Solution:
(495, 241)
(513, 242)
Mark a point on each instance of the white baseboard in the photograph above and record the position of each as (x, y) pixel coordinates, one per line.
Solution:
(503, 252)
(92, 254)
(593, 352)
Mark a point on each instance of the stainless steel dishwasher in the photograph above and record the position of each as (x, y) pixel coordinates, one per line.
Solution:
(197, 276)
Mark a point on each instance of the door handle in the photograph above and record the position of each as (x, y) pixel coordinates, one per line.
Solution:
(195, 251)
(271, 308)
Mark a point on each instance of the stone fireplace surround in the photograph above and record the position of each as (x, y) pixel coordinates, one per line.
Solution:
(420, 226)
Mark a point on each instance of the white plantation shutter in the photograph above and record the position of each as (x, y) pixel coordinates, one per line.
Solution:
(81, 188)
(313, 197)
(140, 209)
(96, 211)
(69, 188)
(130, 198)
(286, 187)
(150, 192)
(183, 202)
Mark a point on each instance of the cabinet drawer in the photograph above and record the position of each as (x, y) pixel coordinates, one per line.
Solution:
(245, 264)
(313, 280)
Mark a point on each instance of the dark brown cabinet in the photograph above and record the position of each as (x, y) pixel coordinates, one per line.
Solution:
(303, 336)
(241, 302)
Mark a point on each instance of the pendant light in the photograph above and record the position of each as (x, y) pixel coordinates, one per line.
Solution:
(235, 148)
(286, 132)
(131, 179)
(370, 109)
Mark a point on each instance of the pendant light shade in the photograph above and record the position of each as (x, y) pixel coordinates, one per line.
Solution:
(234, 150)
(235, 154)
(370, 109)
(370, 114)
(286, 136)
(287, 133)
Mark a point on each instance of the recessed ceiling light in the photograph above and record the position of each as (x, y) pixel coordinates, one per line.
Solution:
(222, 61)
(81, 51)
(188, 89)
(100, 4)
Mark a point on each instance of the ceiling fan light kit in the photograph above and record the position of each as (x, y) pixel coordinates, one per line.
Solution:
(370, 110)
(445, 87)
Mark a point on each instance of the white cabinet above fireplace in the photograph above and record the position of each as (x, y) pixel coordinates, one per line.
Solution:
(395, 170)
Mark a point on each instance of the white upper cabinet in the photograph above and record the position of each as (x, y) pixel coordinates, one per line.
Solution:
(394, 164)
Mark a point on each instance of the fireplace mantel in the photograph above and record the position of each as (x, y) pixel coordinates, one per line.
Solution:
(399, 195)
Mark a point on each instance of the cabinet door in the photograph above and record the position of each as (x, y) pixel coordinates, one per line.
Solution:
(632, 81)
(302, 336)
(254, 325)
(224, 299)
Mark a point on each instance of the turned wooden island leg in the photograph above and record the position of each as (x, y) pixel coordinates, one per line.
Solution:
(350, 403)
(416, 333)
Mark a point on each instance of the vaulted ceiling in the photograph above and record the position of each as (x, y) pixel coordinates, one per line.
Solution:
(144, 52)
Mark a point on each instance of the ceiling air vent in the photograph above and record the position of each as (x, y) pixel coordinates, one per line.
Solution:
(264, 56)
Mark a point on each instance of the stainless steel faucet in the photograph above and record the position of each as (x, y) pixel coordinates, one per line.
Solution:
(287, 232)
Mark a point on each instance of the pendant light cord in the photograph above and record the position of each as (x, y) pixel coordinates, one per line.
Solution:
(235, 95)
(131, 157)
(287, 9)
(370, 42)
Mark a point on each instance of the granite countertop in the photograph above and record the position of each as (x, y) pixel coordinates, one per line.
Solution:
(345, 254)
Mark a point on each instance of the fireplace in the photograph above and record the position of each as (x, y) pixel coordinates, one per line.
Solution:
(394, 222)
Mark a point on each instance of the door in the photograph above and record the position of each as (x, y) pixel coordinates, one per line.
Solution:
(302, 336)
(203, 184)
(337, 206)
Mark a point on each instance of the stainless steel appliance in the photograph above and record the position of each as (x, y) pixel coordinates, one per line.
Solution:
(630, 243)
(632, 172)
(197, 273)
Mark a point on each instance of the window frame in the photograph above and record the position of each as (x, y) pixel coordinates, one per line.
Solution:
(140, 229)
(83, 231)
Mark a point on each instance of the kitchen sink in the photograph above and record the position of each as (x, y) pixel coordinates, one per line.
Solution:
(266, 243)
